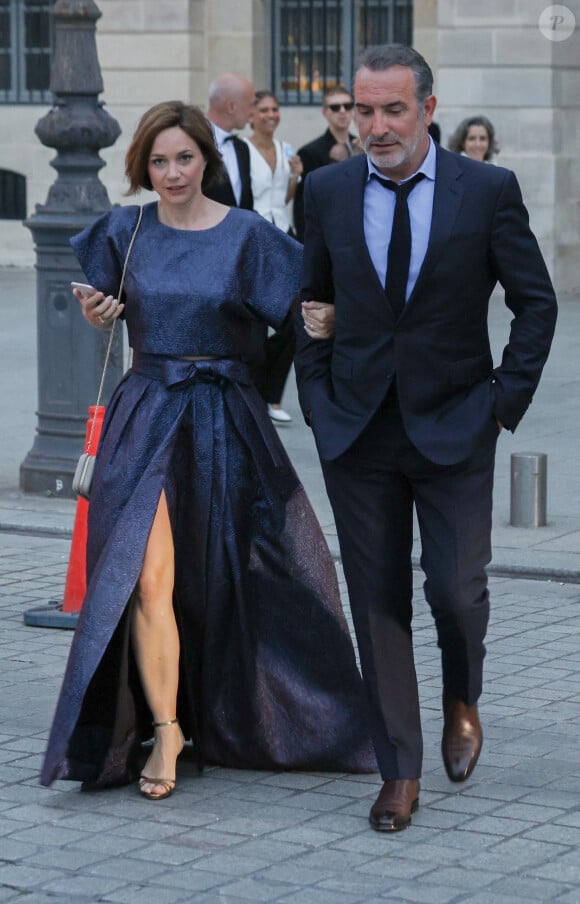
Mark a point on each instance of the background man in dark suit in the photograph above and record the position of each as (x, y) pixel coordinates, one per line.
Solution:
(405, 402)
(230, 100)
(337, 107)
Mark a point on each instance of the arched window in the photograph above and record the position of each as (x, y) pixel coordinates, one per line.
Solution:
(25, 44)
(315, 42)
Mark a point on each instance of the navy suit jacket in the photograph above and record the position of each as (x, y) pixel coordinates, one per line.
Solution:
(438, 349)
(314, 154)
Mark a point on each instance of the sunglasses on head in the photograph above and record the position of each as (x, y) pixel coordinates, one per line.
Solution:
(336, 108)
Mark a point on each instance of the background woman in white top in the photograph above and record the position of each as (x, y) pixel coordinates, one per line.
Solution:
(275, 171)
(274, 167)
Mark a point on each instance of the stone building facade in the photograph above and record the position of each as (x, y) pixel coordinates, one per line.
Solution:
(512, 60)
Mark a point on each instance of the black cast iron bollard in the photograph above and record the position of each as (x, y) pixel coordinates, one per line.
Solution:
(70, 353)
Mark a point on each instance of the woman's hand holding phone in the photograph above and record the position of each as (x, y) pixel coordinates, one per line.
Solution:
(84, 289)
(98, 310)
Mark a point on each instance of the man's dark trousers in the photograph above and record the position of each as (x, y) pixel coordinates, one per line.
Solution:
(372, 488)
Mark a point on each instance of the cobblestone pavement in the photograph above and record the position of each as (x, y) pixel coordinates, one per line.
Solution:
(511, 834)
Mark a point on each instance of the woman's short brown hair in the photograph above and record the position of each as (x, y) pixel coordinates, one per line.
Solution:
(167, 115)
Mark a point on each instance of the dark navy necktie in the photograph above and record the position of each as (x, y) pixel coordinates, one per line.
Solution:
(399, 254)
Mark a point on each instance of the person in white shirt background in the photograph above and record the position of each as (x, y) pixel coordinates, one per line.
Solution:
(275, 168)
(230, 101)
(275, 171)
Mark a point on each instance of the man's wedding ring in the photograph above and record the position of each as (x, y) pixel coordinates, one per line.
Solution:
(101, 319)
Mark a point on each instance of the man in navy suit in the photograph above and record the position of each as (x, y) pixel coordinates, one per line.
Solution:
(405, 402)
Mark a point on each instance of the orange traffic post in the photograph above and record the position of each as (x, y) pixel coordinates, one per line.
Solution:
(76, 580)
(65, 614)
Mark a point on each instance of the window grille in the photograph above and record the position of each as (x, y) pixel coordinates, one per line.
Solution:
(315, 42)
(25, 50)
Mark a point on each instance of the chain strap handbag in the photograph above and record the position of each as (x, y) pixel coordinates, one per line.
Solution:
(83, 476)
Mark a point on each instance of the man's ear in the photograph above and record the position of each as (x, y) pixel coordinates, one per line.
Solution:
(429, 108)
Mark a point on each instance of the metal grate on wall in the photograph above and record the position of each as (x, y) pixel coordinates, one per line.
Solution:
(315, 42)
(25, 51)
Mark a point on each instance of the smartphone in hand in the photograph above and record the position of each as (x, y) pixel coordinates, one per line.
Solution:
(84, 288)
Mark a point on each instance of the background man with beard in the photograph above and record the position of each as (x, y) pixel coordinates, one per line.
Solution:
(405, 402)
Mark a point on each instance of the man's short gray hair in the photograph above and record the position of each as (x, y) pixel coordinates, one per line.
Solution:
(384, 56)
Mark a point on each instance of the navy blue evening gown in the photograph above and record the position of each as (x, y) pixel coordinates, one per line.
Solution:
(268, 678)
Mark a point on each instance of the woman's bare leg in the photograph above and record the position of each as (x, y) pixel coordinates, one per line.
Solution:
(156, 645)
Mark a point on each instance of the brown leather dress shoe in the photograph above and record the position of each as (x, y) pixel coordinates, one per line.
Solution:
(462, 738)
(392, 809)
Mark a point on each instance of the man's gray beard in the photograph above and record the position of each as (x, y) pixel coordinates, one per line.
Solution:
(392, 162)
(387, 162)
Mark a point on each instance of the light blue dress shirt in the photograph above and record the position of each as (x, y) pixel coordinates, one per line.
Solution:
(379, 210)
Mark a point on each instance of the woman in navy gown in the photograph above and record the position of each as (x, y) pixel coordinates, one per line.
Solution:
(212, 609)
